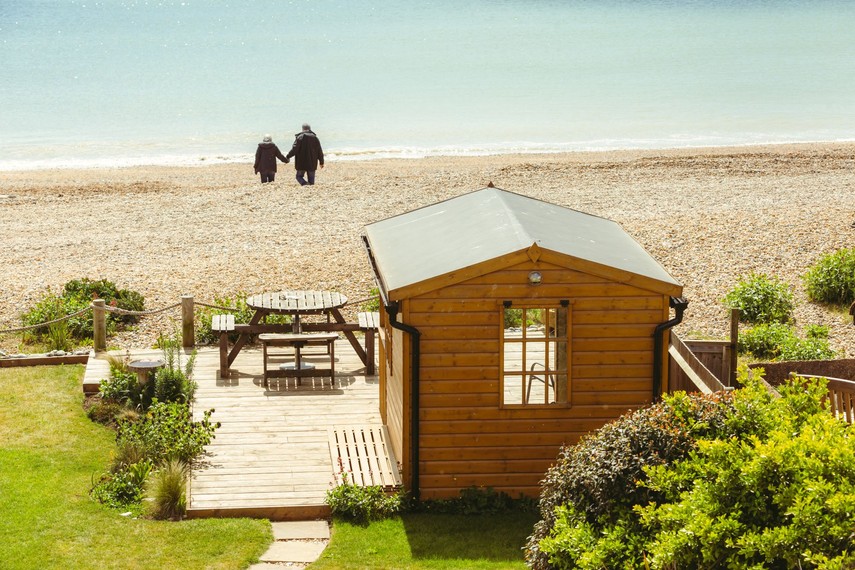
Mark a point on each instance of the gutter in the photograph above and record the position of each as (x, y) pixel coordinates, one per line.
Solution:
(392, 309)
(679, 305)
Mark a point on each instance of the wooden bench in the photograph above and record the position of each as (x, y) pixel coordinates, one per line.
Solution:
(224, 325)
(369, 323)
(297, 342)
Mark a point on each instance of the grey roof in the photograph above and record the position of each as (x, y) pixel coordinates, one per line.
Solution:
(489, 223)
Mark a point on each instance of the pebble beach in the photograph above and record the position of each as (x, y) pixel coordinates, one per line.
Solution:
(708, 215)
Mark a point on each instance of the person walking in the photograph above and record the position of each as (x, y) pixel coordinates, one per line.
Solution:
(307, 153)
(265, 159)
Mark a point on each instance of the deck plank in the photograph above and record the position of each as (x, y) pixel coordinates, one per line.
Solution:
(271, 455)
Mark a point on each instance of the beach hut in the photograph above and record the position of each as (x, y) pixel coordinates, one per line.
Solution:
(511, 326)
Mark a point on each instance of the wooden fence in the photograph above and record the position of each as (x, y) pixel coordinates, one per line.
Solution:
(841, 397)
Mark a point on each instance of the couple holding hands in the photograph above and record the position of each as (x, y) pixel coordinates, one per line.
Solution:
(306, 150)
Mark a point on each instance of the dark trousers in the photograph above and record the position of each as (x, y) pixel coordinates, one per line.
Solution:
(267, 176)
(302, 181)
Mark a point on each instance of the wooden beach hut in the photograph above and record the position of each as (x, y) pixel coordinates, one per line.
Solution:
(511, 326)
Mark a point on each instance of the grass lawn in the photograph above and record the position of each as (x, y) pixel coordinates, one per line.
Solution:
(430, 541)
(49, 455)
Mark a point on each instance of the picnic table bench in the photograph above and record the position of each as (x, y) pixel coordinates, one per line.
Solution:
(298, 341)
(295, 303)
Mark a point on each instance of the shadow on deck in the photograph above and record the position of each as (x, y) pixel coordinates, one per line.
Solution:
(272, 455)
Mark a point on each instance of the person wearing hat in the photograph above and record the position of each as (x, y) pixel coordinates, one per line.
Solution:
(307, 153)
(265, 159)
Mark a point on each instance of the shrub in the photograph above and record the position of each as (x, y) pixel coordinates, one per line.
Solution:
(832, 278)
(168, 491)
(167, 431)
(123, 488)
(362, 504)
(761, 299)
(764, 341)
(104, 411)
(772, 486)
(783, 500)
(599, 477)
(52, 307)
(776, 341)
(78, 294)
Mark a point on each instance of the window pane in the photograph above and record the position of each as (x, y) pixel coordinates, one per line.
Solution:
(513, 390)
(513, 323)
(535, 359)
(513, 357)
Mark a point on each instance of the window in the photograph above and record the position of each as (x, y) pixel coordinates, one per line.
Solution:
(534, 356)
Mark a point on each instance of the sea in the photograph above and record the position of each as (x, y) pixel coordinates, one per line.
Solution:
(87, 83)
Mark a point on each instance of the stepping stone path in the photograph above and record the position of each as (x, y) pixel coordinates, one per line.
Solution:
(296, 544)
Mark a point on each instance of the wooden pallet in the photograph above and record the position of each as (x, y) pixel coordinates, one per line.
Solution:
(363, 453)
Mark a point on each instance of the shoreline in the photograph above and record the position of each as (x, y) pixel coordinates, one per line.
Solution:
(707, 214)
(369, 154)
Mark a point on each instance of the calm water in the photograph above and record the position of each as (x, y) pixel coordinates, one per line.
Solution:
(121, 82)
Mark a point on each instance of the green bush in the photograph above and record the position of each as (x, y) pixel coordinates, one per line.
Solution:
(761, 299)
(76, 295)
(123, 488)
(774, 487)
(360, 504)
(86, 289)
(167, 431)
(776, 341)
(52, 307)
(832, 278)
(599, 477)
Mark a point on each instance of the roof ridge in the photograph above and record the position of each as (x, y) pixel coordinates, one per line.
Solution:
(511, 213)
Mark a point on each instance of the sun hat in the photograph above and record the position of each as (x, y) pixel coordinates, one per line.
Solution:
(267, 139)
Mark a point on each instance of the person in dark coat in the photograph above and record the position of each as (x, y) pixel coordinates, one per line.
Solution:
(307, 153)
(265, 159)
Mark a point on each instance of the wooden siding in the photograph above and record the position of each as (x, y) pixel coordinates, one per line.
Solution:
(396, 399)
(466, 438)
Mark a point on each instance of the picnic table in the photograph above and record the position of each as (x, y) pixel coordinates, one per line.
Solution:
(296, 304)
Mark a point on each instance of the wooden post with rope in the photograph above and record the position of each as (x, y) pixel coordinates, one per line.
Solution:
(188, 330)
(99, 325)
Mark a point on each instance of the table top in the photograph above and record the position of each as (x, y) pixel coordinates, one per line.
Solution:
(296, 302)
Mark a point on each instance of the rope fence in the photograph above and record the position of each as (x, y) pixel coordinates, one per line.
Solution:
(99, 310)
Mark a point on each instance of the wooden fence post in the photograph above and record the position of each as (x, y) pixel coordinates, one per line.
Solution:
(188, 329)
(734, 339)
(99, 325)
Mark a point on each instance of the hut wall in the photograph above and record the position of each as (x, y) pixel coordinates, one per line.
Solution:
(396, 393)
(466, 438)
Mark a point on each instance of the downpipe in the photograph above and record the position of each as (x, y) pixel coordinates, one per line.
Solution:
(415, 335)
(679, 305)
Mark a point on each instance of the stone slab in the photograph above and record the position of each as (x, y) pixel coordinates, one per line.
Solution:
(288, 530)
(294, 551)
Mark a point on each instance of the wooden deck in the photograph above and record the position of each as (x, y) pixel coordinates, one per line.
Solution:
(272, 456)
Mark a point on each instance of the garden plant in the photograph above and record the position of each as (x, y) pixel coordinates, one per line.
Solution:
(761, 299)
(832, 278)
(730, 480)
(76, 295)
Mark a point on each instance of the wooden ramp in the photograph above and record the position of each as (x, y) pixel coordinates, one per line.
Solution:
(362, 454)
(271, 456)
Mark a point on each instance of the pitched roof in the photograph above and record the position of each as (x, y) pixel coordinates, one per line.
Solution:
(486, 224)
